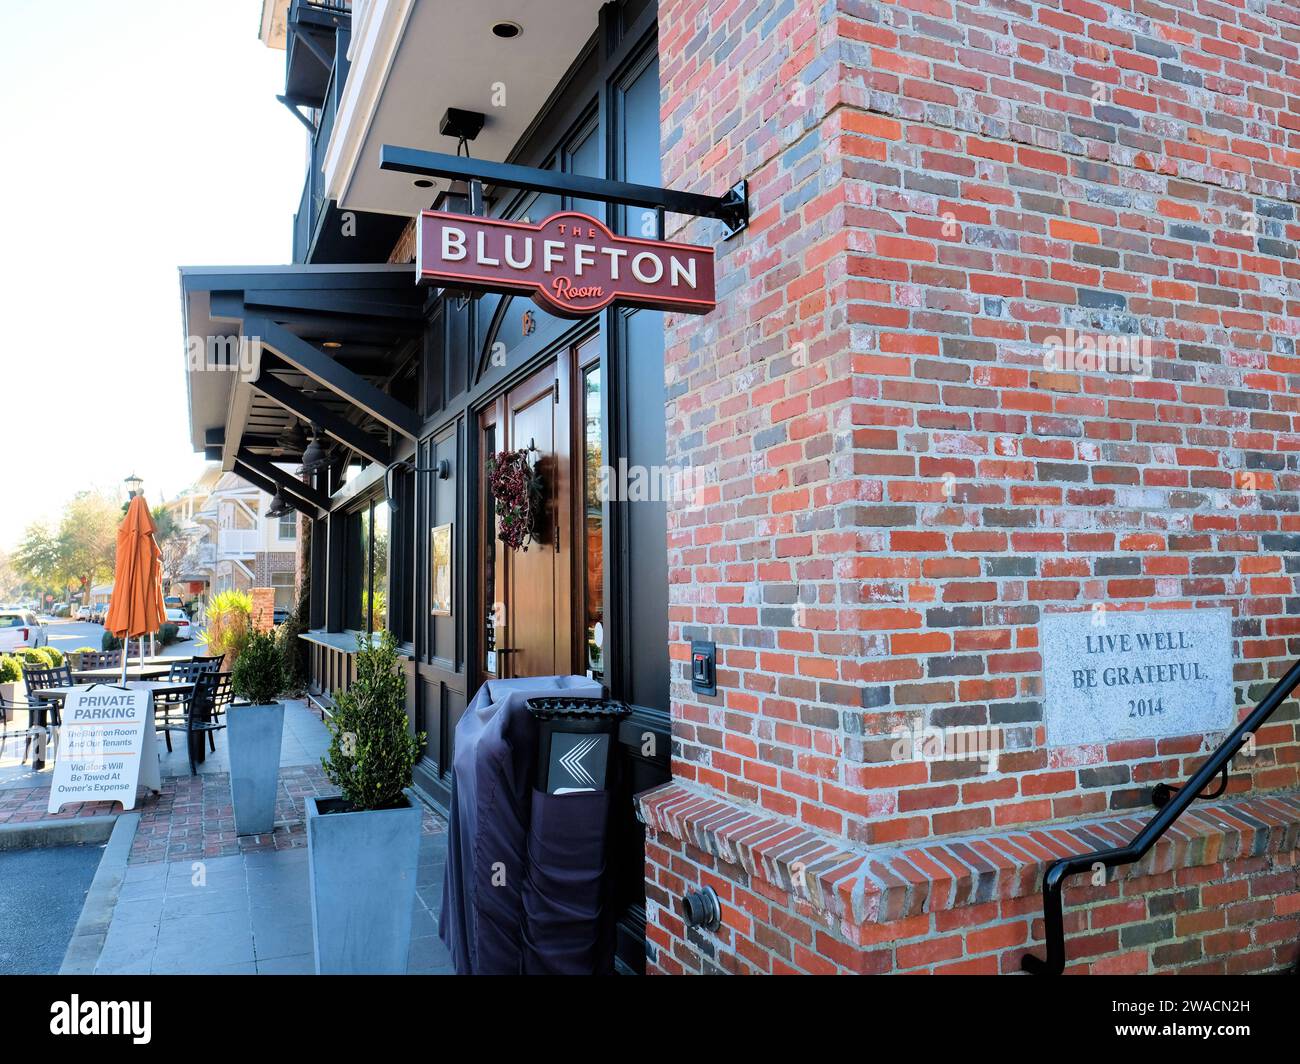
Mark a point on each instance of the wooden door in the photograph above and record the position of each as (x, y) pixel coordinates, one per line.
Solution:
(537, 604)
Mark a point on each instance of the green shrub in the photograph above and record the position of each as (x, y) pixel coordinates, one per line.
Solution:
(168, 634)
(35, 656)
(372, 752)
(293, 650)
(85, 650)
(110, 642)
(56, 656)
(258, 674)
(11, 669)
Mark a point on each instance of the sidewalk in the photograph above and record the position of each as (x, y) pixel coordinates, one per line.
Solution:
(196, 898)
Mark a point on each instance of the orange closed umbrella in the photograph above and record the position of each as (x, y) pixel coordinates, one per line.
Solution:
(137, 606)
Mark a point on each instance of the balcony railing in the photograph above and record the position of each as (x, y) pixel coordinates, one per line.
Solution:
(312, 203)
(238, 542)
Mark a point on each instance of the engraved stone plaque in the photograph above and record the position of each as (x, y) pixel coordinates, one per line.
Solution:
(1112, 675)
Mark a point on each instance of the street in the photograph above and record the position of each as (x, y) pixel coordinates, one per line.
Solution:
(67, 635)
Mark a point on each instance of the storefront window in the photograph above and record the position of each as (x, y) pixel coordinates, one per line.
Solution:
(489, 564)
(593, 524)
(356, 541)
(366, 574)
(379, 567)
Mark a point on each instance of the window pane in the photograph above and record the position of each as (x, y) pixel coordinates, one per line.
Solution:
(356, 541)
(283, 584)
(489, 546)
(593, 525)
(379, 569)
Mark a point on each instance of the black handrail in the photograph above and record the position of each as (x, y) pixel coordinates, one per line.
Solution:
(1058, 870)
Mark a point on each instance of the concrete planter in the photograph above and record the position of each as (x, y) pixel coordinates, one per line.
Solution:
(362, 868)
(254, 734)
(12, 690)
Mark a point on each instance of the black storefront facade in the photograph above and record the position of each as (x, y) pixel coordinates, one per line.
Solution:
(412, 389)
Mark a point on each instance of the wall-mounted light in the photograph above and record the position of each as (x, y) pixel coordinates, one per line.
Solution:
(442, 469)
(134, 486)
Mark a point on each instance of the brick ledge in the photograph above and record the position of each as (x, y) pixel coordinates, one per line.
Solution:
(882, 885)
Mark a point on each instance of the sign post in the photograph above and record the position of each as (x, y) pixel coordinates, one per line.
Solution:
(106, 748)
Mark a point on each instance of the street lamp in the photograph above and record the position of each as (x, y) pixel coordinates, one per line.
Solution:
(133, 486)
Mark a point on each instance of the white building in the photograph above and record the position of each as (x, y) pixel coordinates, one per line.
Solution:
(233, 544)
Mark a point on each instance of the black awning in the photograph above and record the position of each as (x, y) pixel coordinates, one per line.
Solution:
(273, 351)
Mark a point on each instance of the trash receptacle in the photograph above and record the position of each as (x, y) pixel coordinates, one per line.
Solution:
(568, 925)
(573, 742)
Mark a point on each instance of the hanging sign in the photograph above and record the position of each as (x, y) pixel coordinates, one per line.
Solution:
(106, 747)
(570, 264)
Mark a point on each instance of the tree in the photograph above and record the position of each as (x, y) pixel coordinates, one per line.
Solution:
(11, 581)
(39, 557)
(173, 541)
(88, 539)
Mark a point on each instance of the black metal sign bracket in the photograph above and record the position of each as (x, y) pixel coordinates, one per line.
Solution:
(732, 209)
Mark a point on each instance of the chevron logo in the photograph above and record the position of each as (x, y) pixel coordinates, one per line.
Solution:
(572, 761)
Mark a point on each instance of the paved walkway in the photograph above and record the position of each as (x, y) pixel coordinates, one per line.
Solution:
(198, 899)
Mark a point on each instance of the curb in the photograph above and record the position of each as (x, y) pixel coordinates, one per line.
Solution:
(92, 926)
(70, 832)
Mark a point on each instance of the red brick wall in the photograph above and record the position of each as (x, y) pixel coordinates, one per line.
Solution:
(1220, 896)
(899, 486)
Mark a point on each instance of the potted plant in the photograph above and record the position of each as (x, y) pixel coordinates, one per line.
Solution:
(255, 729)
(363, 845)
(11, 675)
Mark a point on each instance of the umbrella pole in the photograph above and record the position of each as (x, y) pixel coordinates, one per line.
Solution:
(126, 653)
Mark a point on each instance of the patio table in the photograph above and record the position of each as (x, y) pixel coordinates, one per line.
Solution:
(134, 671)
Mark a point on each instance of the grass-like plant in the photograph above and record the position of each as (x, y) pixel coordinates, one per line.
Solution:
(11, 669)
(372, 752)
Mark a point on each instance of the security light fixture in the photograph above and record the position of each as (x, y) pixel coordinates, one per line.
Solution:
(461, 124)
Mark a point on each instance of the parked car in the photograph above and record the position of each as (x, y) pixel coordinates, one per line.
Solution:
(20, 628)
(173, 602)
(84, 612)
(98, 612)
(182, 621)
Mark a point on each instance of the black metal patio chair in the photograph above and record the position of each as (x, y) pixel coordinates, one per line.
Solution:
(48, 708)
(197, 714)
(7, 708)
(100, 659)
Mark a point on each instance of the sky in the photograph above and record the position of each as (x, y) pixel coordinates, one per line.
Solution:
(137, 136)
